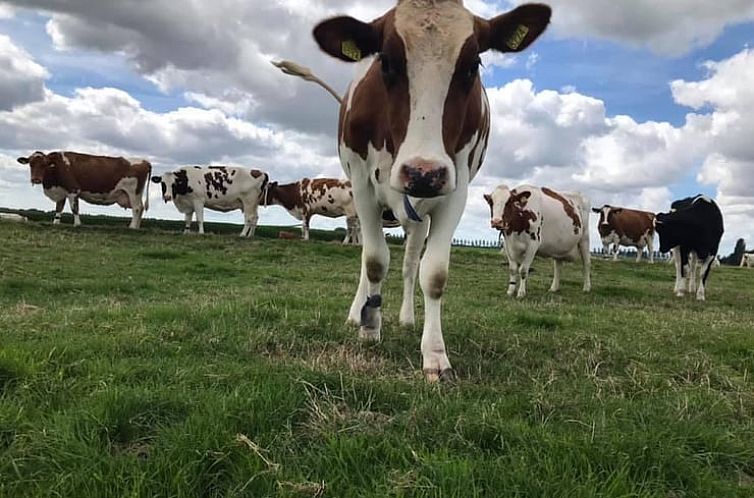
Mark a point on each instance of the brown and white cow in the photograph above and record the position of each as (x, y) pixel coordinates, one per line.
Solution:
(626, 227)
(541, 221)
(328, 197)
(412, 134)
(95, 179)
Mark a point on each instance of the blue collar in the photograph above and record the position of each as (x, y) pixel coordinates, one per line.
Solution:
(410, 211)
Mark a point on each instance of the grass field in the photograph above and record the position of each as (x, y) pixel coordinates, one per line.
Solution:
(152, 364)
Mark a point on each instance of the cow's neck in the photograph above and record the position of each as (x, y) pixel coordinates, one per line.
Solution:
(289, 196)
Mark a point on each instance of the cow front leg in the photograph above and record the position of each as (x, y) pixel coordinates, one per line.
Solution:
(416, 233)
(73, 202)
(512, 273)
(616, 250)
(523, 270)
(555, 287)
(680, 283)
(639, 251)
(59, 206)
(651, 249)
(199, 211)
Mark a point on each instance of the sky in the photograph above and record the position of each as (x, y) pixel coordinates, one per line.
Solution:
(632, 102)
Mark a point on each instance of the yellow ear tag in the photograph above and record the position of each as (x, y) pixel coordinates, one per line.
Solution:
(350, 50)
(518, 37)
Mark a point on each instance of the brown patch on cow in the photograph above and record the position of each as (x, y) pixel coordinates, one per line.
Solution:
(255, 173)
(567, 207)
(516, 218)
(288, 195)
(463, 114)
(287, 235)
(375, 271)
(437, 283)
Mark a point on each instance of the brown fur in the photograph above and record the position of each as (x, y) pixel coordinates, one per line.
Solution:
(567, 207)
(516, 218)
(629, 223)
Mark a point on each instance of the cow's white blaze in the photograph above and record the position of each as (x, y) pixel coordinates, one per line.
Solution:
(433, 41)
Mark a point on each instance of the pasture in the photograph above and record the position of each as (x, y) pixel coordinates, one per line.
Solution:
(153, 364)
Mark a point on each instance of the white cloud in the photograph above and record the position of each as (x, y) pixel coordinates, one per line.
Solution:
(669, 27)
(21, 79)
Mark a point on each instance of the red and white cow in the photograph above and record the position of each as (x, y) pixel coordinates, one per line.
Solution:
(219, 188)
(412, 134)
(628, 227)
(541, 221)
(96, 179)
(747, 260)
(327, 197)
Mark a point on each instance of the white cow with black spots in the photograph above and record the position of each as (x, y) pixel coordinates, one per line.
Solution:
(219, 188)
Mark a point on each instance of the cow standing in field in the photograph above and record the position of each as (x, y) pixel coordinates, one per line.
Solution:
(327, 197)
(219, 188)
(412, 134)
(692, 230)
(541, 221)
(101, 180)
(628, 227)
(747, 260)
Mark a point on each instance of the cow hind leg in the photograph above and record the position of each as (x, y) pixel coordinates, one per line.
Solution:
(59, 206)
(137, 210)
(251, 218)
(416, 233)
(706, 267)
(692, 269)
(187, 222)
(305, 228)
(199, 210)
(586, 263)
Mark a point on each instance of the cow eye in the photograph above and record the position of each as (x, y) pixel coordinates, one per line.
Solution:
(389, 68)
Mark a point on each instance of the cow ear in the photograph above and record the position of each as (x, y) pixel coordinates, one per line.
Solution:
(348, 39)
(513, 31)
(488, 198)
(23, 160)
(596, 210)
(156, 179)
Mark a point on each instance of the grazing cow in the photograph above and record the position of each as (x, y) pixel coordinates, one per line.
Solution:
(412, 133)
(692, 230)
(219, 188)
(96, 179)
(541, 221)
(327, 197)
(628, 227)
(747, 260)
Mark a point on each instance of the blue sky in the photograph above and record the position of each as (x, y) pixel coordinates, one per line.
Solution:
(287, 126)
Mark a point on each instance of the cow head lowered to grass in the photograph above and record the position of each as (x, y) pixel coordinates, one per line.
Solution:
(412, 133)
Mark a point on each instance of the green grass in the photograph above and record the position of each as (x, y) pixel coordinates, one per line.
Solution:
(153, 364)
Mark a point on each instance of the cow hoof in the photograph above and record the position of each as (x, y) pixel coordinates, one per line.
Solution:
(553, 291)
(679, 294)
(433, 375)
(367, 334)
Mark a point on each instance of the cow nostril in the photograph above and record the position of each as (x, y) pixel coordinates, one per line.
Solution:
(423, 178)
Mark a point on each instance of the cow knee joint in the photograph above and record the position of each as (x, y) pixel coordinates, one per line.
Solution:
(375, 270)
(435, 284)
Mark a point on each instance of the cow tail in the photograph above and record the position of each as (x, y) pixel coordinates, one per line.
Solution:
(294, 69)
(263, 190)
(146, 190)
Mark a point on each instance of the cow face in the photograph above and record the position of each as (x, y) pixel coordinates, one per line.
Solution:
(496, 201)
(173, 184)
(606, 213)
(427, 73)
(39, 164)
(667, 230)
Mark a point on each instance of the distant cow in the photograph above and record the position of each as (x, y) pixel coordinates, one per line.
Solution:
(541, 221)
(692, 228)
(327, 197)
(628, 227)
(96, 179)
(747, 260)
(219, 188)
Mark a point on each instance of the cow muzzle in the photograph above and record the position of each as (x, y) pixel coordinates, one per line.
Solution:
(167, 198)
(497, 223)
(424, 179)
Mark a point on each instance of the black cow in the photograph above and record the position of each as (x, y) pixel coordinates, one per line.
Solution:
(692, 230)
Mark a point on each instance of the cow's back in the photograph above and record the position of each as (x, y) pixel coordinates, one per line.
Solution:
(327, 197)
(100, 174)
(632, 225)
(227, 188)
